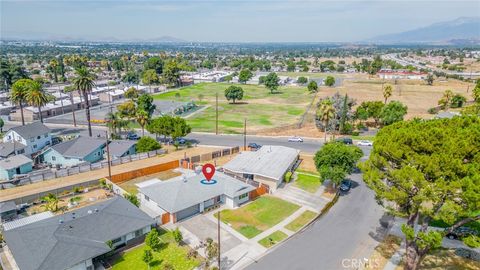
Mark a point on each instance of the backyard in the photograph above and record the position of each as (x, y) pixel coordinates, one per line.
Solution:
(169, 254)
(262, 109)
(258, 216)
(130, 186)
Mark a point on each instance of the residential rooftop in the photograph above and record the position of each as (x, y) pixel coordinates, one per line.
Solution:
(14, 162)
(31, 130)
(78, 147)
(60, 242)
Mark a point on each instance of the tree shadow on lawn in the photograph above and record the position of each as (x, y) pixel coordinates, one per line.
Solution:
(238, 103)
(156, 263)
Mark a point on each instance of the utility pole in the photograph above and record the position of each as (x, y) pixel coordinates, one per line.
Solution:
(108, 158)
(218, 235)
(245, 135)
(216, 113)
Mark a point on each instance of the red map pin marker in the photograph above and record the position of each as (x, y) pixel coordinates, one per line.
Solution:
(208, 171)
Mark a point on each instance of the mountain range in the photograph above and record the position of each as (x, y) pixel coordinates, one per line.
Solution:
(460, 30)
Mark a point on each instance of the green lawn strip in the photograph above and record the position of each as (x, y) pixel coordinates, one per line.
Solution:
(307, 172)
(259, 215)
(273, 239)
(170, 253)
(301, 221)
(307, 182)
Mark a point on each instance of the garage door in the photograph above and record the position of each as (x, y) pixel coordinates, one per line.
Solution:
(188, 212)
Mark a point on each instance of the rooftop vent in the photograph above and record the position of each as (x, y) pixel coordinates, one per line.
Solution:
(89, 211)
(96, 210)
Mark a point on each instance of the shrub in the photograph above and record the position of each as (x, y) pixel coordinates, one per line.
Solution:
(147, 144)
(472, 241)
(177, 235)
(133, 199)
(355, 133)
(432, 110)
(192, 254)
(288, 177)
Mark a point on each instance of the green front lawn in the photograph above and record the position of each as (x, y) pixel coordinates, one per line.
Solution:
(307, 182)
(170, 253)
(273, 239)
(261, 108)
(301, 220)
(259, 215)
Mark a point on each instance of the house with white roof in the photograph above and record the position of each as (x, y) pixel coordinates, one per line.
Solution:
(268, 165)
(181, 197)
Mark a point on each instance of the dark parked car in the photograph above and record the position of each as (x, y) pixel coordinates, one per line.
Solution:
(181, 141)
(254, 146)
(345, 185)
(133, 136)
(461, 232)
(345, 140)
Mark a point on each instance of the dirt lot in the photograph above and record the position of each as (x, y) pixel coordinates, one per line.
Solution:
(21, 191)
(417, 95)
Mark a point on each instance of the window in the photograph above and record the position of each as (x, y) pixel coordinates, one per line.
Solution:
(34, 146)
(9, 137)
(243, 196)
(38, 137)
(114, 241)
(21, 151)
(54, 158)
(138, 232)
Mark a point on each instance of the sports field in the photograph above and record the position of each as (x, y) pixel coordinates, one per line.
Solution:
(262, 109)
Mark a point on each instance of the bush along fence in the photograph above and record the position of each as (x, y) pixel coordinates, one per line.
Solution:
(48, 174)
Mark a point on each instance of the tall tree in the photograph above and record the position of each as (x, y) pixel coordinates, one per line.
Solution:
(446, 99)
(145, 103)
(476, 92)
(142, 119)
(84, 83)
(312, 86)
(18, 95)
(171, 73)
(179, 128)
(234, 93)
(325, 113)
(272, 81)
(329, 81)
(53, 66)
(393, 112)
(335, 160)
(343, 117)
(36, 96)
(429, 79)
(244, 76)
(387, 92)
(427, 170)
(150, 77)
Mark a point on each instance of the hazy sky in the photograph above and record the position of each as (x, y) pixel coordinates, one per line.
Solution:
(226, 20)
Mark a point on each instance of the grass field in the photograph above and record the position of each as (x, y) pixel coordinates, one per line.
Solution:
(273, 239)
(262, 109)
(170, 253)
(259, 215)
(307, 182)
(301, 221)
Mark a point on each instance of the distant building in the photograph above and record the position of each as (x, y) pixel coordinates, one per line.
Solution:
(34, 137)
(15, 165)
(73, 152)
(267, 165)
(73, 240)
(389, 74)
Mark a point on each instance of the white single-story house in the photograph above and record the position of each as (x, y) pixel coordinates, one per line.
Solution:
(187, 195)
(74, 240)
(267, 165)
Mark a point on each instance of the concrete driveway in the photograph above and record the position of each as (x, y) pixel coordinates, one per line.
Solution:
(202, 228)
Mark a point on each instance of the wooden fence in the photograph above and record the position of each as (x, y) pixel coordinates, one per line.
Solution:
(123, 177)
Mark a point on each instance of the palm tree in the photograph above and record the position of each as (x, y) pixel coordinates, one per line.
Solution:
(387, 92)
(84, 82)
(112, 120)
(19, 93)
(36, 96)
(325, 113)
(51, 201)
(54, 64)
(69, 90)
(142, 119)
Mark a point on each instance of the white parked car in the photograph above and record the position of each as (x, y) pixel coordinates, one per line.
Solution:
(295, 139)
(365, 143)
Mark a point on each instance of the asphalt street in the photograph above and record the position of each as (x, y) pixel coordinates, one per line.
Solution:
(309, 146)
(341, 239)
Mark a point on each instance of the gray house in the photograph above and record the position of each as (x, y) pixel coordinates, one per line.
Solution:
(267, 165)
(75, 239)
(14, 165)
(8, 210)
(184, 196)
(74, 152)
(122, 148)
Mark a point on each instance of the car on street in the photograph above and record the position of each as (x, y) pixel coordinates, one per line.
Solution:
(345, 185)
(461, 232)
(133, 136)
(254, 146)
(295, 139)
(345, 140)
(180, 141)
(365, 143)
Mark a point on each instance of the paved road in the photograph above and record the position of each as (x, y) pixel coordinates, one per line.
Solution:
(339, 240)
(308, 146)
